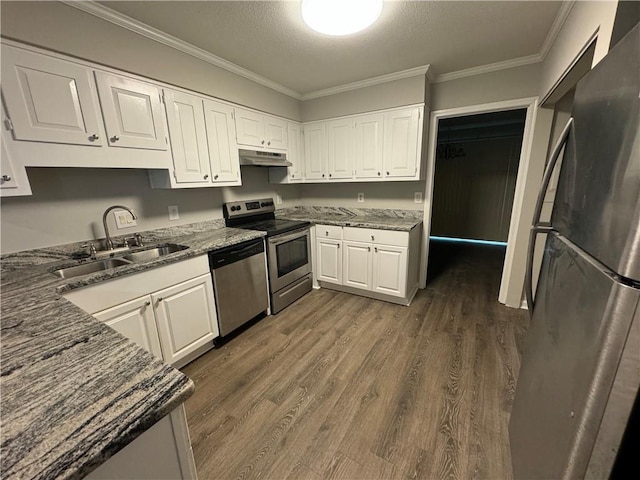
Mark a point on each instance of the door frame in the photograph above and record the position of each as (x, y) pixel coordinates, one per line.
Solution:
(508, 285)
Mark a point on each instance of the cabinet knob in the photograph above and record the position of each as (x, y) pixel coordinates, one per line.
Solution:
(268, 143)
(375, 249)
(372, 238)
(329, 175)
(6, 178)
(323, 175)
(115, 138)
(387, 174)
(368, 249)
(206, 176)
(94, 137)
(262, 142)
(147, 303)
(159, 300)
(326, 234)
(378, 173)
(293, 175)
(338, 246)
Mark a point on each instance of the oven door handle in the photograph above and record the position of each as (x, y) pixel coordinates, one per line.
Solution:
(287, 237)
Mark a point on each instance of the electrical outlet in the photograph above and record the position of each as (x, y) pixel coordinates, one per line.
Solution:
(361, 198)
(173, 212)
(417, 197)
(124, 219)
(278, 199)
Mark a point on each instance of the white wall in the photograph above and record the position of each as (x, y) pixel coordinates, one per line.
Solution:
(59, 27)
(585, 19)
(67, 204)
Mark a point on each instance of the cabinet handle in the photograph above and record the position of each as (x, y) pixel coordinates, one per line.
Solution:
(372, 238)
(338, 246)
(115, 138)
(368, 249)
(375, 249)
(326, 234)
(6, 178)
(94, 137)
(268, 143)
(262, 142)
(206, 176)
(159, 300)
(215, 177)
(147, 303)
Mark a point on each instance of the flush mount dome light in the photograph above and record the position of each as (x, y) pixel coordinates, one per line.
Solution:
(340, 17)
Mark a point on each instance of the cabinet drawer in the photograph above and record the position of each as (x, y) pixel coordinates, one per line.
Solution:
(329, 231)
(381, 237)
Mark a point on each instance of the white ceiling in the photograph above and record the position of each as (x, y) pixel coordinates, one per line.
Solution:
(270, 39)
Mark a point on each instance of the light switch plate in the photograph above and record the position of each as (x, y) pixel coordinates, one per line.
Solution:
(123, 219)
(173, 212)
(361, 198)
(417, 197)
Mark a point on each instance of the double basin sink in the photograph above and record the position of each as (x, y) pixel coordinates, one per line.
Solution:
(113, 262)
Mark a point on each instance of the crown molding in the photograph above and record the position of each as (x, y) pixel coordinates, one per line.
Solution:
(152, 33)
(561, 17)
(390, 77)
(491, 67)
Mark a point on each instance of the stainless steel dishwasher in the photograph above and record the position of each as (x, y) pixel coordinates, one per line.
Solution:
(239, 283)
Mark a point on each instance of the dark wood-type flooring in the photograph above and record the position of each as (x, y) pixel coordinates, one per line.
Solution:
(342, 386)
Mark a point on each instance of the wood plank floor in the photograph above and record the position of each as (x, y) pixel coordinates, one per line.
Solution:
(341, 386)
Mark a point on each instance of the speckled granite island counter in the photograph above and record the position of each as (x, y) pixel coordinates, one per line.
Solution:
(385, 219)
(74, 391)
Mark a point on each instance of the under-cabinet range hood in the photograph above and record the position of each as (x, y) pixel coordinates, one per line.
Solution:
(263, 159)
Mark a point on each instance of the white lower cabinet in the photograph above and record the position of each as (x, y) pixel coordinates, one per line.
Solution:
(136, 321)
(184, 316)
(165, 310)
(328, 253)
(382, 264)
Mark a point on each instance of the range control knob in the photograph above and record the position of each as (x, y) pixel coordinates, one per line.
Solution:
(263, 204)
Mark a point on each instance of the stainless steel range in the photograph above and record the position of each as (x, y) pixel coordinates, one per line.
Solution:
(288, 248)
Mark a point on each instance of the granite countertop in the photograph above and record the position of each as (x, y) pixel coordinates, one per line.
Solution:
(74, 391)
(401, 220)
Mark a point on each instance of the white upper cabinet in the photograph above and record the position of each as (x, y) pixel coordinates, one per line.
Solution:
(223, 150)
(340, 139)
(296, 152)
(185, 117)
(132, 112)
(261, 131)
(402, 142)
(368, 145)
(49, 100)
(315, 151)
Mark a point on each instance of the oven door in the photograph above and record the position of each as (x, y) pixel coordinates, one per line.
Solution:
(289, 258)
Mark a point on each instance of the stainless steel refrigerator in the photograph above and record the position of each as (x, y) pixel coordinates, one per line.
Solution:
(580, 370)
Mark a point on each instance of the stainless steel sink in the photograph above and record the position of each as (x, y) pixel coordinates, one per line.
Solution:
(91, 267)
(153, 253)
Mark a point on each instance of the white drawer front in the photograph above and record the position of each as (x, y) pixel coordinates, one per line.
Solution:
(380, 237)
(329, 231)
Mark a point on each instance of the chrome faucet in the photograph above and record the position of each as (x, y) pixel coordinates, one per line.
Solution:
(107, 241)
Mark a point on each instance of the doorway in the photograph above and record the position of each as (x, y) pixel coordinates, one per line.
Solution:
(476, 167)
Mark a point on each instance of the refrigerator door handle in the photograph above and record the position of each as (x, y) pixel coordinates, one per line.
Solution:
(528, 279)
(551, 165)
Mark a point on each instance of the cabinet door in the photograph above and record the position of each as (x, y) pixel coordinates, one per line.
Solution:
(185, 118)
(132, 112)
(401, 142)
(340, 135)
(223, 149)
(275, 131)
(390, 270)
(357, 263)
(49, 100)
(186, 317)
(295, 152)
(249, 128)
(134, 320)
(315, 151)
(328, 253)
(368, 146)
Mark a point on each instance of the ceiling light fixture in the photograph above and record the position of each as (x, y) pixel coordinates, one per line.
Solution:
(340, 17)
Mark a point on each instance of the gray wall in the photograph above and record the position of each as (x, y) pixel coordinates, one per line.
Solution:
(376, 195)
(59, 27)
(397, 93)
(67, 204)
